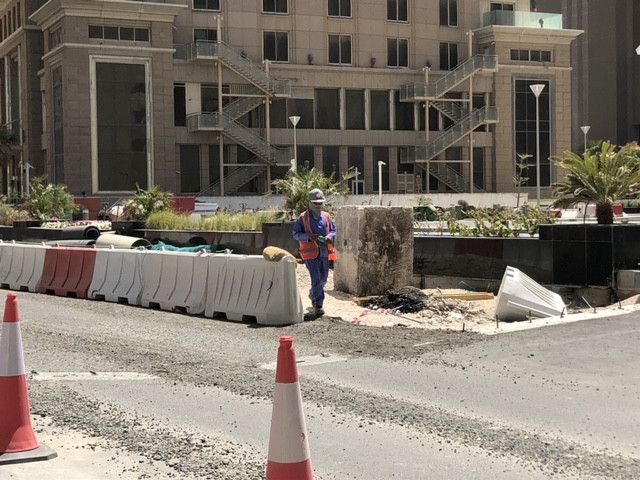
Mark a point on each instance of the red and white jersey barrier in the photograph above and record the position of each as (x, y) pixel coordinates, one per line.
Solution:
(18, 441)
(289, 457)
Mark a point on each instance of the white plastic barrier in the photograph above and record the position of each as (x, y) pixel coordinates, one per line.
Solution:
(520, 296)
(21, 266)
(117, 276)
(175, 281)
(249, 286)
(27, 264)
(6, 255)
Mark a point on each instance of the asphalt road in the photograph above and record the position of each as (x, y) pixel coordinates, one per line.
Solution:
(148, 394)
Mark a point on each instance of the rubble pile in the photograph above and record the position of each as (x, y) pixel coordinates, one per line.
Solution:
(403, 300)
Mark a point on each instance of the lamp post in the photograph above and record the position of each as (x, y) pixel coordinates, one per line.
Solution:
(294, 119)
(537, 90)
(380, 164)
(585, 129)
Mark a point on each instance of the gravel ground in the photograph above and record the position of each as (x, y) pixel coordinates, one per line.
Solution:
(205, 363)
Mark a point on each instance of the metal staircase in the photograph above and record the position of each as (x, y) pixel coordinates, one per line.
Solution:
(435, 90)
(249, 98)
(465, 119)
(452, 110)
(235, 178)
(450, 177)
(438, 144)
(242, 66)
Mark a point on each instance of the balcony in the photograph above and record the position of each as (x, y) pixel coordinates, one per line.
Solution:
(523, 19)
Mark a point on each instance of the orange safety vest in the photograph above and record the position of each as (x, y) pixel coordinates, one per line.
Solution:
(311, 250)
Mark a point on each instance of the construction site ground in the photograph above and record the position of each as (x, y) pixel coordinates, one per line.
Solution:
(131, 393)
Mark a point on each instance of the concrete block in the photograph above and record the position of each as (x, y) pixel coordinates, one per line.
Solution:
(375, 249)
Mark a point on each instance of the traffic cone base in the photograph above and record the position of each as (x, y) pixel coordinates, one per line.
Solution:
(18, 442)
(39, 454)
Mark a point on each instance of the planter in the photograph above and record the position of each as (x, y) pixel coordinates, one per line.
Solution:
(588, 254)
(243, 243)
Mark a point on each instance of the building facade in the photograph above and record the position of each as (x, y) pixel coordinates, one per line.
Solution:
(606, 70)
(197, 96)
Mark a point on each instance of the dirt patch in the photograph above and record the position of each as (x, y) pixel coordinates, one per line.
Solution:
(420, 308)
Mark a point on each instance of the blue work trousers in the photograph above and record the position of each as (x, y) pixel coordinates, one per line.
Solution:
(319, 271)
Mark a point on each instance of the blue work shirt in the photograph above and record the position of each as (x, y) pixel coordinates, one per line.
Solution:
(318, 227)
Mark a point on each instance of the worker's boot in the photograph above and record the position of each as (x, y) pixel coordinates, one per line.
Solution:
(319, 312)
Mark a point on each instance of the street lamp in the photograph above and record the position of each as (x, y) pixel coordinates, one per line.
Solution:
(380, 164)
(537, 90)
(585, 129)
(294, 119)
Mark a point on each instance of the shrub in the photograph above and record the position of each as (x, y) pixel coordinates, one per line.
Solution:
(498, 222)
(221, 221)
(297, 185)
(48, 201)
(10, 214)
(146, 202)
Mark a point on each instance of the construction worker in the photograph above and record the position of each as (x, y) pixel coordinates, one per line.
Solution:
(315, 232)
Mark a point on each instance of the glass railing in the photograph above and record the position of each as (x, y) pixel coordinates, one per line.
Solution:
(450, 80)
(523, 19)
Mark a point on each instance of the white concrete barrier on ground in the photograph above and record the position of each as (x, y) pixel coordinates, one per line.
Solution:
(520, 296)
(117, 276)
(6, 255)
(242, 286)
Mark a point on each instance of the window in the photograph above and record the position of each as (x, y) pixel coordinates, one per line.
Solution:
(339, 8)
(404, 113)
(305, 155)
(19, 23)
(379, 110)
(478, 167)
(448, 56)
(331, 161)
(397, 10)
(340, 49)
(205, 35)
(208, 98)
(501, 6)
(525, 128)
(121, 113)
(354, 109)
(397, 52)
(278, 113)
(274, 6)
(433, 118)
(58, 125)
(381, 154)
(303, 108)
(214, 161)
(119, 33)
(276, 46)
(355, 159)
(328, 116)
(179, 105)
(449, 13)
(206, 4)
(531, 55)
(189, 168)
(55, 38)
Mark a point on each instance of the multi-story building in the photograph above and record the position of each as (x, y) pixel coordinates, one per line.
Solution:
(196, 95)
(606, 70)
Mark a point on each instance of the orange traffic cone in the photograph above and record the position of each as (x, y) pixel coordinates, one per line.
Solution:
(288, 442)
(18, 442)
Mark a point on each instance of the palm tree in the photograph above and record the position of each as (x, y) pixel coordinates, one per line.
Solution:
(601, 176)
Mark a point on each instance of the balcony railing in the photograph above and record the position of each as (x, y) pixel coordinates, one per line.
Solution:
(523, 19)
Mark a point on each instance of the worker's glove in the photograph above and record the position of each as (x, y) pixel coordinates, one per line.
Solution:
(321, 239)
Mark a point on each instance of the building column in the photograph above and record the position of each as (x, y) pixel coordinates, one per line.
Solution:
(392, 111)
(367, 109)
(342, 104)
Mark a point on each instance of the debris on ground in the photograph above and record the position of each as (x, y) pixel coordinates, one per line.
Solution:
(403, 300)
